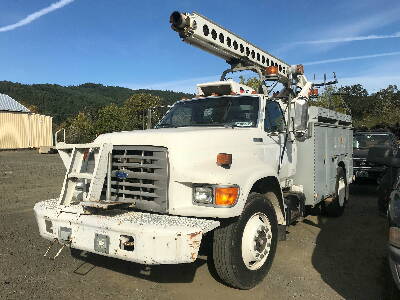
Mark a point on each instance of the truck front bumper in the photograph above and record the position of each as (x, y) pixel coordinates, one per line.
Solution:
(140, 237)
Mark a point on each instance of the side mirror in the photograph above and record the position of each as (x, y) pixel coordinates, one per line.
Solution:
(300, 116)
(395, 162)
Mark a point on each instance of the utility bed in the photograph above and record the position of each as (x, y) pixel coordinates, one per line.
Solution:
(329, 142)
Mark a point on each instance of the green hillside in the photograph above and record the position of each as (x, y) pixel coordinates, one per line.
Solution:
(62, 102)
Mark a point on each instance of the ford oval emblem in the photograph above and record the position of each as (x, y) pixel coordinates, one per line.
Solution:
(121, 175)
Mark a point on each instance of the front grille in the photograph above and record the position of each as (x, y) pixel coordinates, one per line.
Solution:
(139, 175)
(363, 163)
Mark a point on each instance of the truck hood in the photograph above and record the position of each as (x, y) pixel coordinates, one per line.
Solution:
(360, 153)
(192, 137)
(192, 152)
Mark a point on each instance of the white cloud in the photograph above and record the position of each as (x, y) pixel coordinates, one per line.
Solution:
(325, 61)
(344, 30)
(350, 39)
(36, 15)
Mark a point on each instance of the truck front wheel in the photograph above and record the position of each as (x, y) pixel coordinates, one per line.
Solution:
(244, 249)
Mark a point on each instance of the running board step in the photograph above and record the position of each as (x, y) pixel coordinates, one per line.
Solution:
(295, 206)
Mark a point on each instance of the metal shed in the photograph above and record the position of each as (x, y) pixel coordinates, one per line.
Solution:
(19, 128)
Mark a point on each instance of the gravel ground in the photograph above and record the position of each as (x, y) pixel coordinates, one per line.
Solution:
(323, 258)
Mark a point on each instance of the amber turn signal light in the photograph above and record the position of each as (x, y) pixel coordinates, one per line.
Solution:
(313, 92)
(226, 196)
(271, 70)
(224, 159)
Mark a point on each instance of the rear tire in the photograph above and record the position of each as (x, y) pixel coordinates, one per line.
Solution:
(335, 208)
(244, 249)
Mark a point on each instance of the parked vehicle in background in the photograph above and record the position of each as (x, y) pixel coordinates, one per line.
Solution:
(362, 142)
(391, 181)
(394, 226)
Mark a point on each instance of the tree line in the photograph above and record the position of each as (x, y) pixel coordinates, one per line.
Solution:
(63, 102)
(88, 110)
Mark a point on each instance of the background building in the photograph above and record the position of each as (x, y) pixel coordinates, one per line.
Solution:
(19, 128)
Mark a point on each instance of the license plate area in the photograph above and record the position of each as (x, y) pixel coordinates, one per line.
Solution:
(101, 243)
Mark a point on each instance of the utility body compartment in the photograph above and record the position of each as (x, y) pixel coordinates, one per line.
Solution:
(327, 146)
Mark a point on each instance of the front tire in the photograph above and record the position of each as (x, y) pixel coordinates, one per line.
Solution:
(244, 249)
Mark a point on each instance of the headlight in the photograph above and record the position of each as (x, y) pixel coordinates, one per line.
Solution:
(222, 196)
(203, 195)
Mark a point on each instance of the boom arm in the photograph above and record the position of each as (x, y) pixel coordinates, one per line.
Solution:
(203, 33)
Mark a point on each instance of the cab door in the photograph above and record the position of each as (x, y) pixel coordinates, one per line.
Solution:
(283, 154)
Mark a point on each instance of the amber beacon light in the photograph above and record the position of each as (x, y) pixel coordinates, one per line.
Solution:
(271, 70)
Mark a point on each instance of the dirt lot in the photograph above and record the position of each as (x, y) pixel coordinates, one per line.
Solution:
(321, 259)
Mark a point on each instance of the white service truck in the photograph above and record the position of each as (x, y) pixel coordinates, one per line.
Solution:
(237, 164)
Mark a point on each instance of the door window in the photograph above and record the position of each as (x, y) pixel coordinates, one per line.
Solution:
(274, 120)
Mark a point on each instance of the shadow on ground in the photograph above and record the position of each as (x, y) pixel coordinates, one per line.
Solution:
(180, 273)
(350, 252)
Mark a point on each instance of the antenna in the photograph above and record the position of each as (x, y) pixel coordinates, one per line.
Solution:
(325, 83)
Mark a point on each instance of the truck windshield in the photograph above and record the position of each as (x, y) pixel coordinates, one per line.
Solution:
(371, 140)
(235, 111)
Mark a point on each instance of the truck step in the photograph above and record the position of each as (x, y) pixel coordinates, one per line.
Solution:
(84, 163)
(294, 206)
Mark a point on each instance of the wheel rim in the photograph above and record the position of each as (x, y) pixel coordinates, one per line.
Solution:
(341, 191)
(256, 241)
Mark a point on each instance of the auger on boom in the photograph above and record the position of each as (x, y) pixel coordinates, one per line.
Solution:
(236, 164)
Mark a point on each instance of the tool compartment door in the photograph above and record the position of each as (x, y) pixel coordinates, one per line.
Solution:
(332, 155)
(321, 172)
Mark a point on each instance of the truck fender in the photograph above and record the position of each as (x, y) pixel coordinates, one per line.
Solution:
(347, 177)
(262, 184)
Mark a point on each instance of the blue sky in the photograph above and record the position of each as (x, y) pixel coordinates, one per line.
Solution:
(130, 43)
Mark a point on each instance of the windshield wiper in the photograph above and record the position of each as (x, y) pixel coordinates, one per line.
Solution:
(239, 124)
(166, 126)
(207, 124)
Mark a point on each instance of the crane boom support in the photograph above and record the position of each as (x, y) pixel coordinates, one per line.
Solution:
(203, 33)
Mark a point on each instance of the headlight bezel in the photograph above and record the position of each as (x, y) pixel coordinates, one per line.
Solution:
(213, 188)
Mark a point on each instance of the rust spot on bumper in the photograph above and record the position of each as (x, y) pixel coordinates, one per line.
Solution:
(194, 244)
(194, 234)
